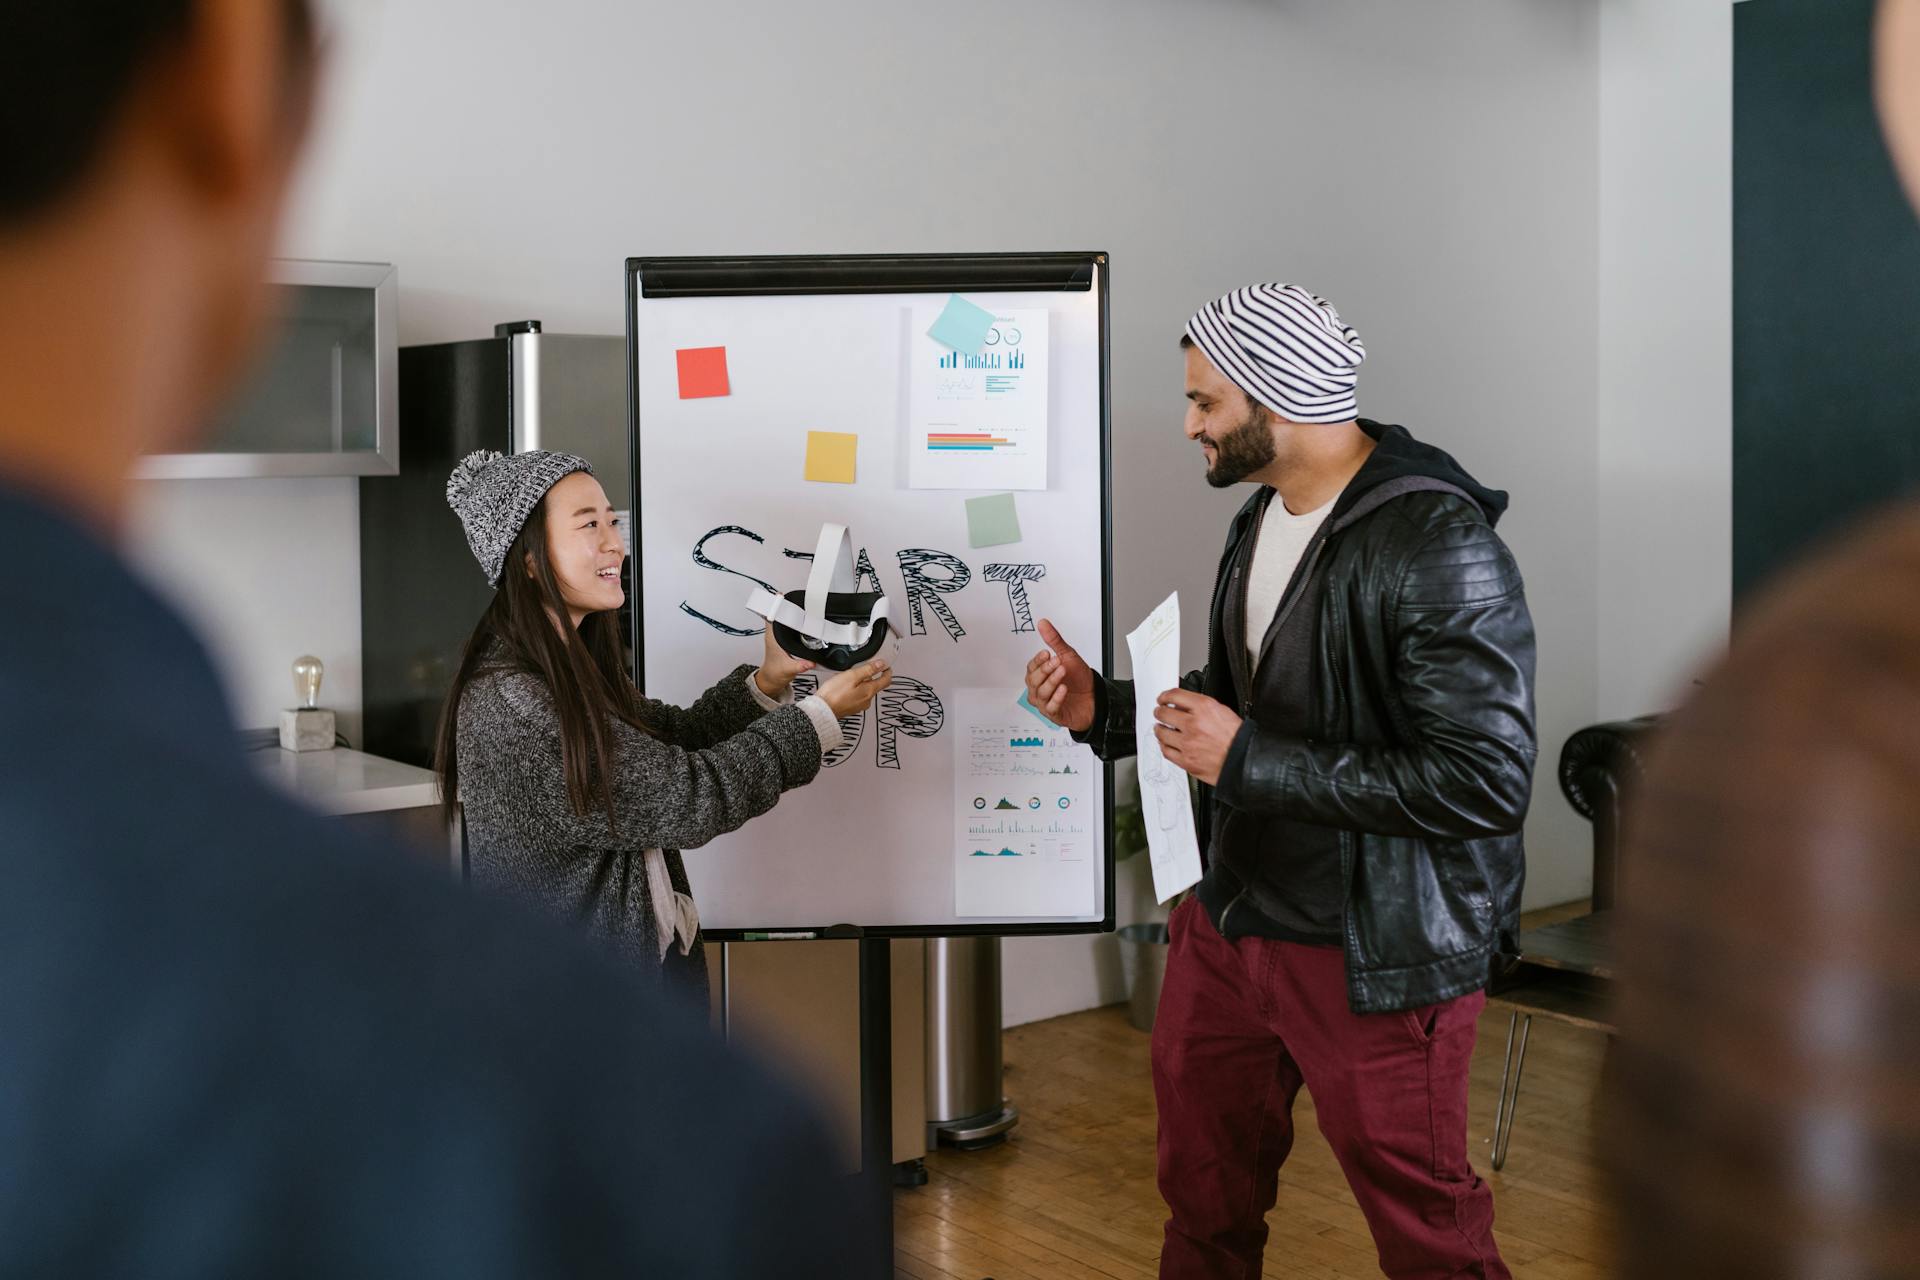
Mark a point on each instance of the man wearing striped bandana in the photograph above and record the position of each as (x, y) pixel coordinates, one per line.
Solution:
(1363, 733)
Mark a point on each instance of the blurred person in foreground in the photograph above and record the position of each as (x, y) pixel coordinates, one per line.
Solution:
(1765, 1116)
(233, 1040)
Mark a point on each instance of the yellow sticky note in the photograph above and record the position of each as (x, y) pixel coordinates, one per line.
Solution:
(830, 456)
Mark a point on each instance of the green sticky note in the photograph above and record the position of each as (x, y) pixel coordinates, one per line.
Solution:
(962, 326)
(992, 521)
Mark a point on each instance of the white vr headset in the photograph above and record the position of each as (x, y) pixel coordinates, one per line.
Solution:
(829, 624)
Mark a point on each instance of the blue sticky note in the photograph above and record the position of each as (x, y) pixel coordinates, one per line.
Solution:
(1025, 702)
(962, 326)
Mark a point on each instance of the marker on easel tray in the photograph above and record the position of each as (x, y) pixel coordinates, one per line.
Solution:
(781, 937)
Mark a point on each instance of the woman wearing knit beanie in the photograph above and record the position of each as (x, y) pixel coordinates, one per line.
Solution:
(577, 790)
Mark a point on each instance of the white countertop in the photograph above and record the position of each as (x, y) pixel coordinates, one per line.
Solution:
(341, 781)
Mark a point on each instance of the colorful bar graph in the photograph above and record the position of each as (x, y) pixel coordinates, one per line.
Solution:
(961, 441)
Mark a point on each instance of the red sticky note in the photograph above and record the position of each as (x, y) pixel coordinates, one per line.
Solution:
(703, 371)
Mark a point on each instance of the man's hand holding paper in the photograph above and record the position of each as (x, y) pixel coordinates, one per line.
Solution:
(1195, 732)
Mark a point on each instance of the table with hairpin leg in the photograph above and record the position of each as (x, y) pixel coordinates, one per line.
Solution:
(1565, 973)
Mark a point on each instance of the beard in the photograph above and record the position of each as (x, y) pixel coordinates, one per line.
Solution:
(1243, 450)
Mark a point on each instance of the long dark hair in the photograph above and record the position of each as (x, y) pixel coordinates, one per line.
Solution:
(584, 670)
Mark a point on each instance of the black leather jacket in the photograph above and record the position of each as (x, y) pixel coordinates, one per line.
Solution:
(1423, 751)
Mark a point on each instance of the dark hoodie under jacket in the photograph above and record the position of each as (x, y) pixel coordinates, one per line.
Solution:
(1375, 793)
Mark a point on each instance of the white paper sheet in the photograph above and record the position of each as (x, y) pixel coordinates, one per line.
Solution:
(1164, 796)
(978, 419)
(1023, 795)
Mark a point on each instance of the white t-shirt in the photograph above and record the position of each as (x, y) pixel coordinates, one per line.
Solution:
(1283, 540)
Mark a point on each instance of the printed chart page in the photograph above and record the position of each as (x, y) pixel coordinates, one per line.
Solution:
(979, 418)
(1025, 833)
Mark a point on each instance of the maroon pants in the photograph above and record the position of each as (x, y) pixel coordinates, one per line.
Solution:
(1242, 1025)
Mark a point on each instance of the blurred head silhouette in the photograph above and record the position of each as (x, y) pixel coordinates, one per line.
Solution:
(236, 1037)
(148, 147)
(1765, 1120)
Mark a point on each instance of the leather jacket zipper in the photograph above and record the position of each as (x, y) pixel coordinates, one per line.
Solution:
(1241, 582)
(1213, 609)
(1236, 661)
(1338, 646)
(1247, 661)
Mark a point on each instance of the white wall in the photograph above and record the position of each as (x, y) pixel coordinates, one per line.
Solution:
(1435, 169)
(266, 570)
(1666, 347)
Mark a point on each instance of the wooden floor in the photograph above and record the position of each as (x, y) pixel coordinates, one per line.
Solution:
(1071, 1196)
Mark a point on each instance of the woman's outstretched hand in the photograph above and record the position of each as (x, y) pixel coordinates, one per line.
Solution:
(850, 692)
(778, 669)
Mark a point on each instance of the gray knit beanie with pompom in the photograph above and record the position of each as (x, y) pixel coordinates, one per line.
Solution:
(494, 493)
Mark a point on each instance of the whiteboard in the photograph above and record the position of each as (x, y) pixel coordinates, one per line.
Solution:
(952, 809)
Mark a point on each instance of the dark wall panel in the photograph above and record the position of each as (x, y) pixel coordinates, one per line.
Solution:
(1826, 281)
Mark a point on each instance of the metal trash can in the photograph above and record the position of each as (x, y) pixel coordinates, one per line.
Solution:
(964, 1069)
(1143, 963)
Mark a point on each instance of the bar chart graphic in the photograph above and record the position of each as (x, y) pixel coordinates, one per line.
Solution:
(986, 360)
(989, 359)
(966, 442)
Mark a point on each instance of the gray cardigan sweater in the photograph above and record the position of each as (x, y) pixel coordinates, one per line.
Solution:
(715, 764)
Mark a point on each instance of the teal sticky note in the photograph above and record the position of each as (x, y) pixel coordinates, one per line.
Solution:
(962, 326)
(992, 521)
(1028, 704)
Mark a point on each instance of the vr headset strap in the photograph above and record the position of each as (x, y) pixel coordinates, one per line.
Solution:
(832, 571)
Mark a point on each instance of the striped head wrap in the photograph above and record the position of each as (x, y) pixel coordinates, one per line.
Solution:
(1285, 347)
